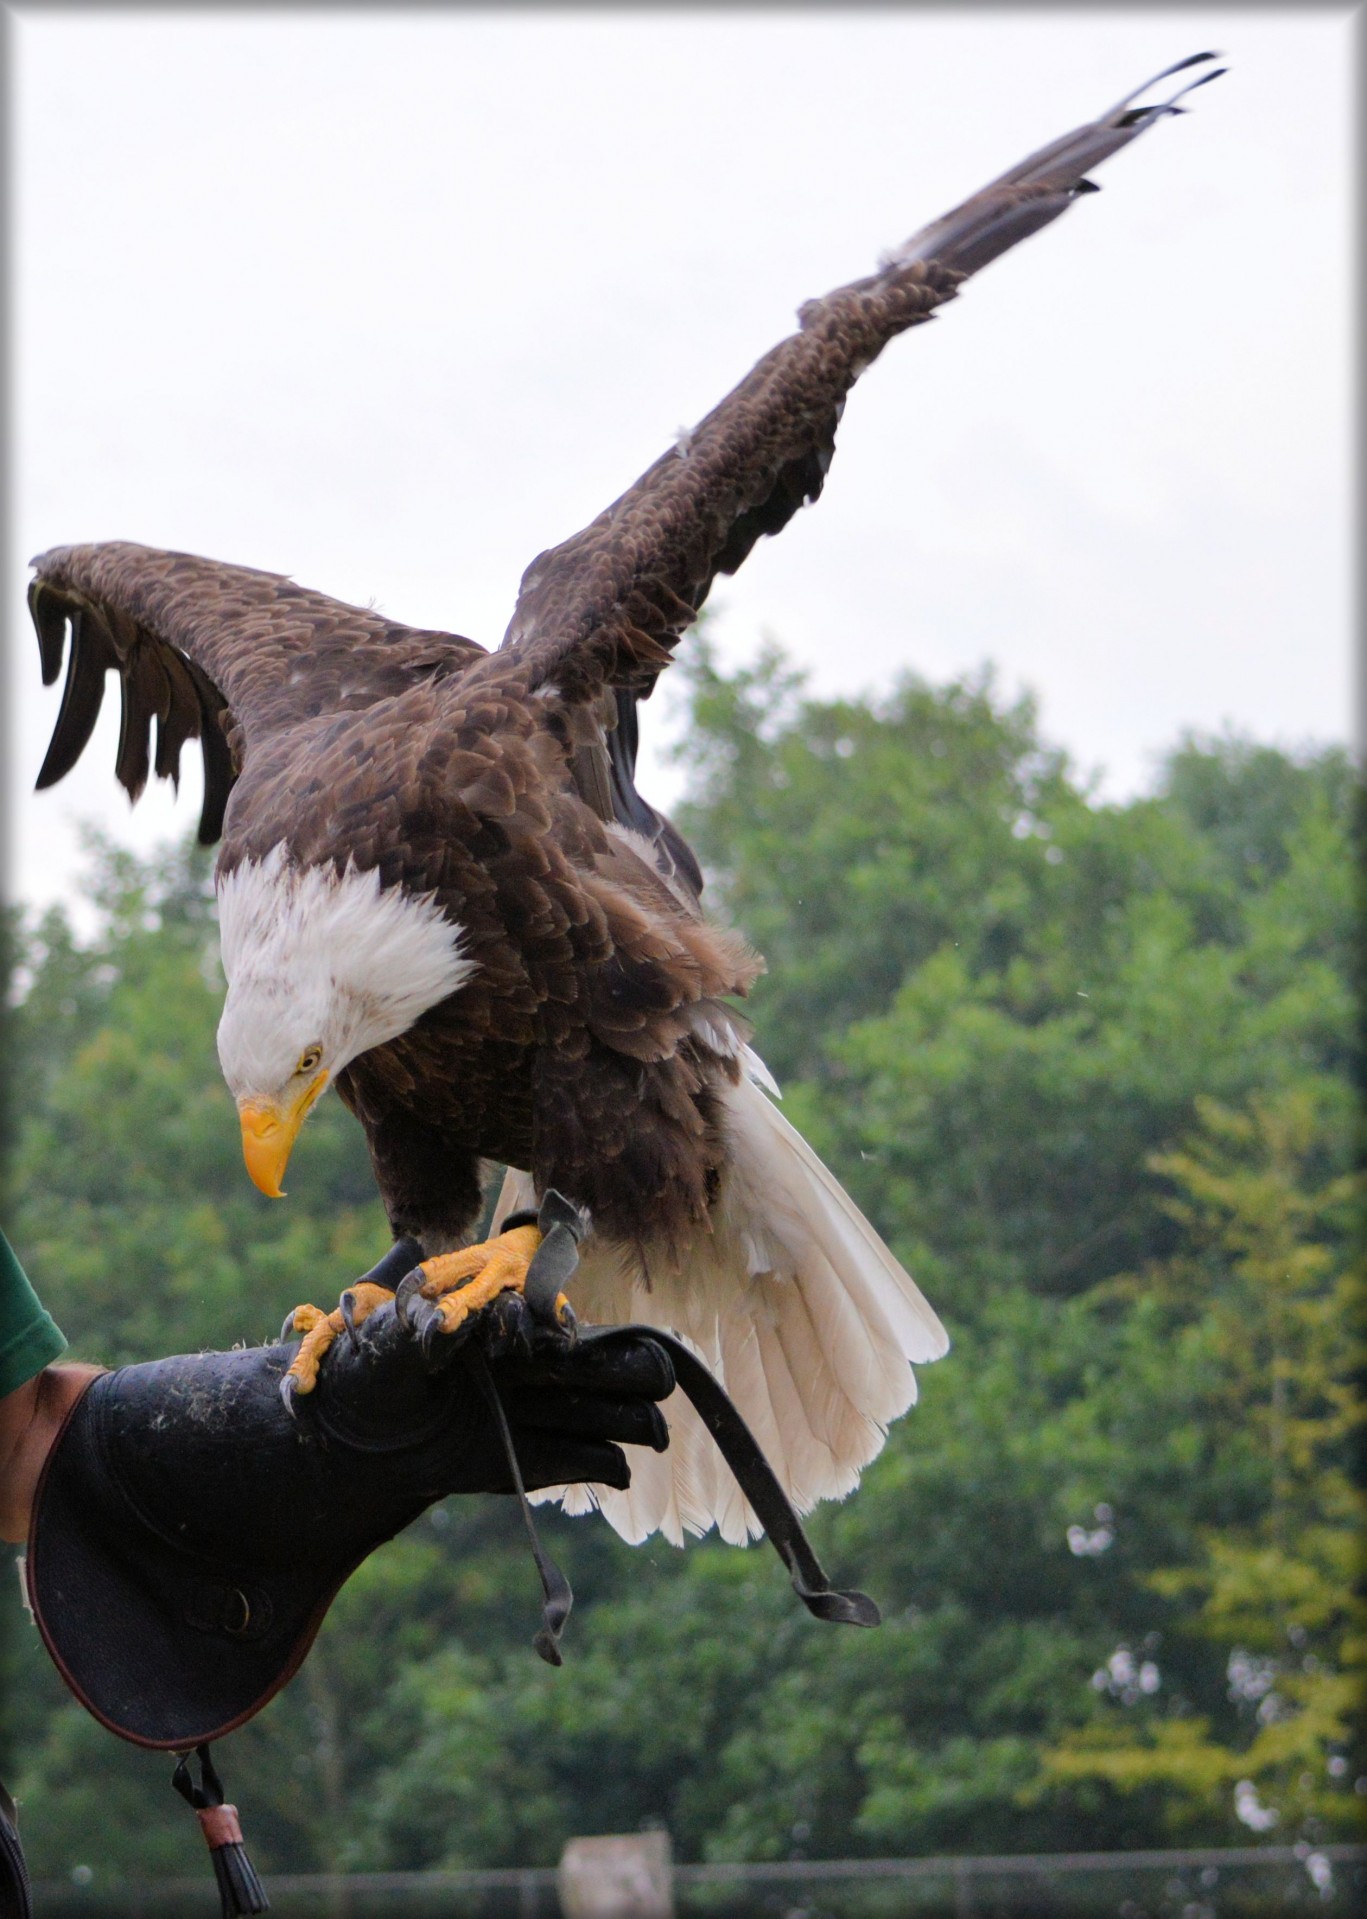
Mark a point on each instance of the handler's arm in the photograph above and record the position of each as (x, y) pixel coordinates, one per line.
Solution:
(35, 1396)
(30, 1419)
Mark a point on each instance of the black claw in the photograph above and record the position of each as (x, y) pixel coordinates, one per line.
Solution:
(429, 1333)
(437, 1341)
(289, 1388)
(506, 1326)
(408, 1287)
(347, 1306)
(287, 1330)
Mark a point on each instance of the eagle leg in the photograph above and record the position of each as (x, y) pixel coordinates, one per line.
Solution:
(447, 1291)
(320, 1329)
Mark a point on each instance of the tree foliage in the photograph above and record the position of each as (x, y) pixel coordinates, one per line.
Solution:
(1089, 1068)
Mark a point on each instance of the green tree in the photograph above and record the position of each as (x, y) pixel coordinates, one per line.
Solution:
(1263, 1313)
(1089, 1068)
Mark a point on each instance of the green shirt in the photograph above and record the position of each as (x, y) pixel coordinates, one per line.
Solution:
(29, 1339)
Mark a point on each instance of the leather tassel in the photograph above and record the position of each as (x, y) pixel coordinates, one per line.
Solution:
(240, 1890)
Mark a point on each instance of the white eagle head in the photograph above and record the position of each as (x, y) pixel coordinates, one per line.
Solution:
(321, 966)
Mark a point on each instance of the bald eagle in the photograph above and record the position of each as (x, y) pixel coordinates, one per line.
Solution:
(441, 893)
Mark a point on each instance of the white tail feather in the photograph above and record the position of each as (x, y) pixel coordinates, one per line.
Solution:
(796, 1305)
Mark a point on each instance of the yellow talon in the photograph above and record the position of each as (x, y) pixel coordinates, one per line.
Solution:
(320, 1329)
(461, 1284)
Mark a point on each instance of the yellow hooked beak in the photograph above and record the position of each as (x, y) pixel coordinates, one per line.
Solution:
(269, 1132)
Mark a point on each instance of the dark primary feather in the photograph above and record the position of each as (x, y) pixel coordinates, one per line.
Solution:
(610, 603)
(223, 654)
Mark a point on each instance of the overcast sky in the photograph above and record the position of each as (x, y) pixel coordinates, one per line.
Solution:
(391, 301)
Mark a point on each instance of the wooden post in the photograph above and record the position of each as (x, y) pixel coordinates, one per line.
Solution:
(619, 1876)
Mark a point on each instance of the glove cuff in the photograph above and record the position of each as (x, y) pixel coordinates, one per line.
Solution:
(165, 1645)
(188, 1535)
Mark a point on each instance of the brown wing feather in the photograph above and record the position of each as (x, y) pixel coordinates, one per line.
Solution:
(609, 604)
(223, 654)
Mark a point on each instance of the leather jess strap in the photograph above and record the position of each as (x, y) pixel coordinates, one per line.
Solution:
(562, 1225)
(754, 1475)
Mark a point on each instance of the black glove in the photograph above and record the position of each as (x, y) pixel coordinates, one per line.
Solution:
(189, 1534)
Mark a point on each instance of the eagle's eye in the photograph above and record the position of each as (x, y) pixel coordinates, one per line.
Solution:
(310, 1060)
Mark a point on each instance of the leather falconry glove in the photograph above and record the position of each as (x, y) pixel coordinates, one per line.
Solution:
(190, 1530)
(189, 1534)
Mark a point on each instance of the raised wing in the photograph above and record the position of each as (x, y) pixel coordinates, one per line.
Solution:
(608, 605)
(221, 654)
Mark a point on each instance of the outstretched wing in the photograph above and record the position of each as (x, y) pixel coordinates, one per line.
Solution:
(221, 654)
(607, 606)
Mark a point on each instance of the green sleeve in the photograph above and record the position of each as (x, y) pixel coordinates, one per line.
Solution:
(29, 1339)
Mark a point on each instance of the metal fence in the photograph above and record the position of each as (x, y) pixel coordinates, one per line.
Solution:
(1244, 1882)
